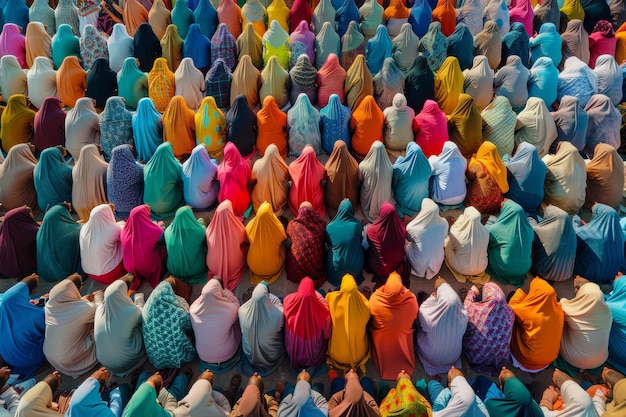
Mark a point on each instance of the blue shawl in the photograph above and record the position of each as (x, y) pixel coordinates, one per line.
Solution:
(409, 183)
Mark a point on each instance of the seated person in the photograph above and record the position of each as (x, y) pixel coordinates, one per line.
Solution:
(576, 402)
(152, 399)
(87, 398)
(458, 400)
(304, 400)
(617, 384)
(10, 394)
(617, 339)
(350, 398)
(69, 344)
(307, 255)
(255, 402)
(513, 400)
(202, 400)
(38, 400)
(405, 400)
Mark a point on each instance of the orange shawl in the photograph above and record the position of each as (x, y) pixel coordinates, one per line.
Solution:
(272, 127)
(71, 81)
(179, 127)
(367, 123)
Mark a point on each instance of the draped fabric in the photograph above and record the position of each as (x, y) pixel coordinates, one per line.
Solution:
(41, 79)
(489, 43)
(330, 80)
(101, 83)
(250, 43)
(378, 49)
(17, 122)
(411, 174)
(254, 12)
(577, 80)
(205, 14)
(17, 186)
(18, 257)
(67, 13)
(197, 46)
(234, 174)
(470, 14)
(51, 118)
(425, 237)
(323, 12)
(566, 172)
(58, 250)
(142, 245)
(516, 42)
(404, 47)
(327, 41)
(575, 41)
(218, 83)
(65, 44)
(615, 301)
(465, 248)
(600, 248)
(434, 45)
(93, 45)
(261, 319)
(510, 245)
(163, 190)
(172, 47)
(303, 402)
(224, 45)
(605, 177)
(132, 83)
(353, 400)
(404, 400)
(179, 127)
(525, 171)
(497, 11)
(186, 247)
(144, 402)
(376, 172)
(523, 13)
(536, 126)
(609, 78)
(115, 126)
(161, 84)
(278, 10)
(517, 401)
(371, 15)
(271, 174)
(343, 237)
(227, 246)
(303, 37)
(303, 77)
(267, 254)
(274, 82)
(604, 122)
(601, 41)
(246, 80)
(13, 79)
(210, 127)
(447, 185)
(147, 129)
(571, 122)
(159, 18)
(348, 346)
(190, 83)
(448, 85)
(445, 13)
(82, 127)
(461, 43)
(120, 45)
(465, 125)
(545, 81)
(146, 46)
(554, 247)
(347, 12)
(479, 82)
(511, 82)
(134, 15)
(182, 17)
(367, 125)
(307, 252)
(303, 122)
(276, 43)
(272, 127)
(200, 179)
(12, 42)
(358, 83)
(334, 123)
(431, 131)
(546, 44)
(352, 44)
(89, 182)
(39, 43)
(398, 127)
(124, 181)
(499, 125)
(307, 174)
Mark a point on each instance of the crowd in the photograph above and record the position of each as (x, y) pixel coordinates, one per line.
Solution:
(483, 134)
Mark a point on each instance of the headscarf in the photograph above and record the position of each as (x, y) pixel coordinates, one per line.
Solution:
(334, 123)
(250, 44)
(571, 122)
(276, 43)
(327, 42)
(358, 84)
(242, 126)
(89, 176)
(303, 77)
(470, 14)
(466, 247)
(120, 46)
(52, 179)
(523, 13)
(303, 402)
(605, 177)
(434, 46)
(13, 79)
(376, 171)
(304, 127)
(274, 82)
(497, 11)
(51, 118)
(500, 121)
(200, 179)
(566, 172)
(134, 15)
(347, 12)
(448, 85)
(172, 47)
(205, 15)
(371, 15)
(604, 122)
(330, 80)
(575, 40)
(146, 129)
(420, 84)
(163, 189)
(479, 81)
(536, 126)
(460, 45)
(306, 174)
(179, 127)
(41, 79)
(554, 247)
(132, 83)
(352, 44)
(323, 12)
(159, 18)
(254, 12)
(12, 42)
(466, 125)
(445, 13)
(266, 256)
(115, 126)
(186, 245)
(161, 84)
(93, 45)
(272, 127)
(38, 43)
(124, 181)
(271, 175)
(64, 44)
(511, 81)
(547, 12)
(227, 246)
(214, 312)
(378, 49)
(404, 400)
(410, 180)
(58, 250)
(16, 179)
(224, 45)
(615, 301)
(278, 10)
(182, 17)
(426, 234)
(234, 174)
(101, 82)
(67, 13)
(525, 172)
(489, 43)
(345, 253)
(510, 245)
(218, 82)
(421, 16)
(431, 126)
(147, 46)
(302, 40)
(573, 10)
(576, 79)
(307, 254)
(17, 122)
(197, 47)
(546, 44)
(246, 80)
(601, 41)
(348, 346)
(81, 127)
(189, 83)
(100, 245)
(516, 42)
(300, 11)
(18, 257)
(388, 83)
(609, 78)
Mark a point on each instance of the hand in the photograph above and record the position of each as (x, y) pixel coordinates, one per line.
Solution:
(453, 373)
(207, 375)
(156, 381)
(551, 393)
(559, 377)
(102, 376)
(5, 374)
(403, 374)
(89, 297)
(280, 387)
(504, 375)
(438, 282)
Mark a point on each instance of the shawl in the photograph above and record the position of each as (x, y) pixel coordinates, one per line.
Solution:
(271, 174)
(159, 18)
(307, 318)
(210, 125)
(525, 171)
(144, 254)
(13, 79)
(18, 257)
(466, 247)
(186, 247)
(218, 82)
(22, 329)
(615, 301)
(146, 46)
(197, 46)
(575, 41)
(67, 13)
(605, 177)
(274, 82)
(511, 81)
(510, 245)
(327, 41)
(214, 312)
(371, 15)
(425, 235)
(334, 123)
(82, 127)
(398, 128)
(460, 45)
(303, 402)
(601, 41)
(573, 10)
(348, 346)
(190, 83)
(278, 10)
(404, 47)
(465, 125)
(65, 44)
(134, 15)
(12, 42)
(303, 36)
(17, 124)
(378, 49)
(144, 403)
(410, 180)
(124, 181)
(163, 189)
(421, 17)
(479, 81)
(41, 79)
(571, 122)
(205, 15)
(620, 47)
(358, 83)
(434, 46)
(536, 126)
(388, 83)
(566, 172)
(272, 126)
(577, 80)
(276, 43)
(547, 12)
(242, 126)
(489, 43)
(377, 172)
(132, 83)
(234, 175)
(353, 400)
(303, 122)
(52, 118)
(487, 340)
(101, 83)
(497, 11)
(227, 246)
(300, 11)
(37, 402)
(147, 135)
(254, 12)
(604, 123)
(267, 254)
(323, 12)
(250, 44)
(470, 14)
(617, 406)
(224, 45)
(115, 127)
(352, 44)
(523, 13)
(179, 127)
(69, 345)
(431, 129)
(546, 44)
(100, 245)
(38, 43)
(200, 179)
(117, 330)
(246, 80)
(394, 309)
(182, 17)
(172, 47)
(330, 80)
(448, 85)
(120, 45)
(161, 84)
(609, 78)
(307, 174)
(346, 13)
(445, 13)
(404, 400)
(343, 237)
(89, 185)
(52, 178)
(443, 322)
(516, 42)
(367, 126)
(303, 77)
(262, 320)
(307, 253)
(499, 128)
(420, 84)
(448, 184)
(93, 45)
(166, 329)
(58, 250)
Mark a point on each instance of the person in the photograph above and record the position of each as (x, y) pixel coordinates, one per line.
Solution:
(17, 122)
(49, 125)
(117, 329)
(246, 80)
(275, 82)
(448, 85)
(376, 174)
(538, 326)
(22, 328)
(510, 245)
(254, 401)
(327, 42)
(101, 83)
(425, 236)
(272, 127)
(341, 178)
(179, 127)
(190, 83)
(307, 174)
(18, 243)
(307, 326)
(38, 42)
(87, 398)
(394, 311)
(389, 82)
(487, 179)
(571, 122)
(211, 127)
(353, 399)
(565, 171)
(465, 247)
(603, 121)
(615, 381)
(405, 400)
(242, 126)
(167, 327)
(605, 177)
(13, 43)
(303, 77)
(488, 42)
(200, 185)
(601, 41)
(457, 400)
(447, 184)
(615, 301)
(10, 395)
(411, 174)
(233, 175)
(14, 80)
(575, 40)
(37, 401)
(304, 400)
(261, 319)
(81, 127)
(486, 343)
(536, 126)
(69, 342)
(303, 122)
(514, 399)
(185, 241)
(578, 80)
(430, 126)
(509, 79)
(41, 80)
(151, 398)
(434, 44)
(352, 45)
(576, 401)
(366, 125)
(202, 400)
(546, 44)
(58, 248)
(227, 244)
(89, 181)
(270, 175)
(443, 321)
(301, 36)
(214, 313)
(465, 125)
(124, 180)
(163, 190)
(147, 129)
(17, 185)
(524, 171)
(343, 240)
(330, 80)
(600, 250)
(306, 256)
(478, 81)
(267, 254)
(358, 83)
(120, 46)
(101, 249)
(609, 78)
(132, 83)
